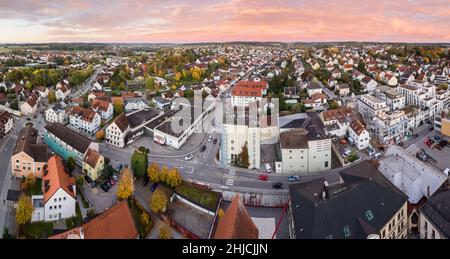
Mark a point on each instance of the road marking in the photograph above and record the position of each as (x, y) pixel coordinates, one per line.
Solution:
(232, 172)
(229, 182)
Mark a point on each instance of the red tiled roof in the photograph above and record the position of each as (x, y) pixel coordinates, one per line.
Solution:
(357, 127)
(100, 104)
(236, 223)
(56, 178)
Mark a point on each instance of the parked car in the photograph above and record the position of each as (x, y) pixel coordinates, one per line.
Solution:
(112, 182)
(188, 157)
(203, 148)
(294, 178)
(108, 183)
(115, 177)
(277, 185)
(154, 186)
(93, 184)
(416, 135)
(268, 168)
(214, 141)
(105, 187)
(209, 138)
(431, 129)
(263, 177)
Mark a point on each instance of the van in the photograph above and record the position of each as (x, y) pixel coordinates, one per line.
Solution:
(268, 168)
(446, 171)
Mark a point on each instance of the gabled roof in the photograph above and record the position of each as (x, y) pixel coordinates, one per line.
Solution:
(27, 142)
(91, 158)
(70, 137)
(122, 122)
(115, 223)
(236, 223)
(55, 178)
(437, 210)
(357, 127)
(83, 113)
(100, 104)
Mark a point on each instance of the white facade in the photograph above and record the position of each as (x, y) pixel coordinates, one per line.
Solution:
(370, 106)
(105, 115)
(61, 95)
(244, 100)
(114, 136)
(60, 206)
(235, 137)
(59, 116)
(361, 140)
(89, 127)
(135, 105)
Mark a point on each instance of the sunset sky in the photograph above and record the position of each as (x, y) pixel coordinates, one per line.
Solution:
(233, 20)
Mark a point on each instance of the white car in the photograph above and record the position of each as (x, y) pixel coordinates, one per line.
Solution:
(188, 157)
(209, 138)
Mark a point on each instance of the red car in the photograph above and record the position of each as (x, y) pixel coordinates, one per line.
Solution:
(263, 177)
(112, 182)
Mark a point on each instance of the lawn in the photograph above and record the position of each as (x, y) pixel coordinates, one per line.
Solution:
(36, 189)
(37, 230)
(203, 197)
(75, 221)
(136, 211)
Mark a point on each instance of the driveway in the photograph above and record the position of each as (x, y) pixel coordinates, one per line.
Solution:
(100, 200)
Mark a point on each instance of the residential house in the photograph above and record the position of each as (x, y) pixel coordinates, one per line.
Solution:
(93, 164)
(357, 131)
(243, 95)
(6, 123)
(161, 103)
(84, 120)
(336, 73)
(313, 88)
(316, 101)
(369, 84)
(30, 106)
(58, 197)
(343, 89)
(336, 122)
(104, 108)
(391, 80)
(62, 93)
(131, 105)
(68, 143)
(57, 113)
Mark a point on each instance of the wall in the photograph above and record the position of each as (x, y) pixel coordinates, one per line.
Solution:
(445, 127)
(67, 207)
(426, 228)
(258, 199)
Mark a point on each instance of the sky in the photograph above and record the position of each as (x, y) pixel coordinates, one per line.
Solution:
(175, 21)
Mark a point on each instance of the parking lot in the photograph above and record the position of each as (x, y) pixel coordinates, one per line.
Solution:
(440, 155)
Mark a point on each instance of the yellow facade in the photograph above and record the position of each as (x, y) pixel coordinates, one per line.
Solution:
(95, 172)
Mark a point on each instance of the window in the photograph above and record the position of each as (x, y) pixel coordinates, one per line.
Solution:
(51, 207)
(59, 199)
(326, 163)
(64, 198)
(383, 234)
(50, 216)
(398, 216)
(54, 200)
(59, 207)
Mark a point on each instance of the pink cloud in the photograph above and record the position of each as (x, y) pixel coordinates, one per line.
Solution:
(215, 20)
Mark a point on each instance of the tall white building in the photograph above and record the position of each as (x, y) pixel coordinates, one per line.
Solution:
(84, 120)
(57, 113)
(246, 92)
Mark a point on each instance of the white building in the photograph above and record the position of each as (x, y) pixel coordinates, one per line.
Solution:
(84, 120)
(394, 100)
(103, 108)
(359, 134)
(59, 193)
(57, 113)
(423, 96)
(245, 93)
(304, 147)
(6, 122)
(370, 106)
(30, 106)
(62, 92)
(134, 105)
(117, 130)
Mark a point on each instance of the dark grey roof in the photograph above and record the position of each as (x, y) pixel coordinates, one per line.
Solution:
(13, 195)
(298, 123)
(437, 210)
(142, 116)
(70, 137)
(27, 142)
(161, 100)
(354, 209)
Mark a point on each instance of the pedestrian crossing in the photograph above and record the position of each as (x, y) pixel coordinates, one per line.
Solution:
(229, 182)
(232, 172)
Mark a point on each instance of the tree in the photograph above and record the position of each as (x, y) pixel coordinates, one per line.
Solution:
(165, 232)
(100, 135)
(118, 108)
(139, 163)
(125, 187)
(51, 96)
(150, 82)
(243, 156)
(188, 93)
(334, 105)
(79, 181)
(71, 163)
(196, 76)
(154, 173)
(24, 210)
(362, 67)
(173, 178)
(178, 76)
(158, 202)
(163, 174)
(14, 105)
(220, 213)
(145, 219)
(29, 182)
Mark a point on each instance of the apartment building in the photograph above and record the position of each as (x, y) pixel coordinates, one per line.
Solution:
(6, 123)
(391, 127)
(423, 96)
(434, 217)
(394, 100)
(442, 123)
(68, 143)
(104, 108)
(370, 106)
(348, 208)
(57, 113)
(245, 93)
(84, 120)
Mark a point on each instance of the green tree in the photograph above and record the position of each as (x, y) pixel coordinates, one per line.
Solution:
(118, 108)
(150, 83)
(15, 105)
(139, 163)
(189, 93)
(362, 67)
(334, 105)
(79, 182)
(71, 163)
(158, 201)
(24, 210)
(29, 182)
